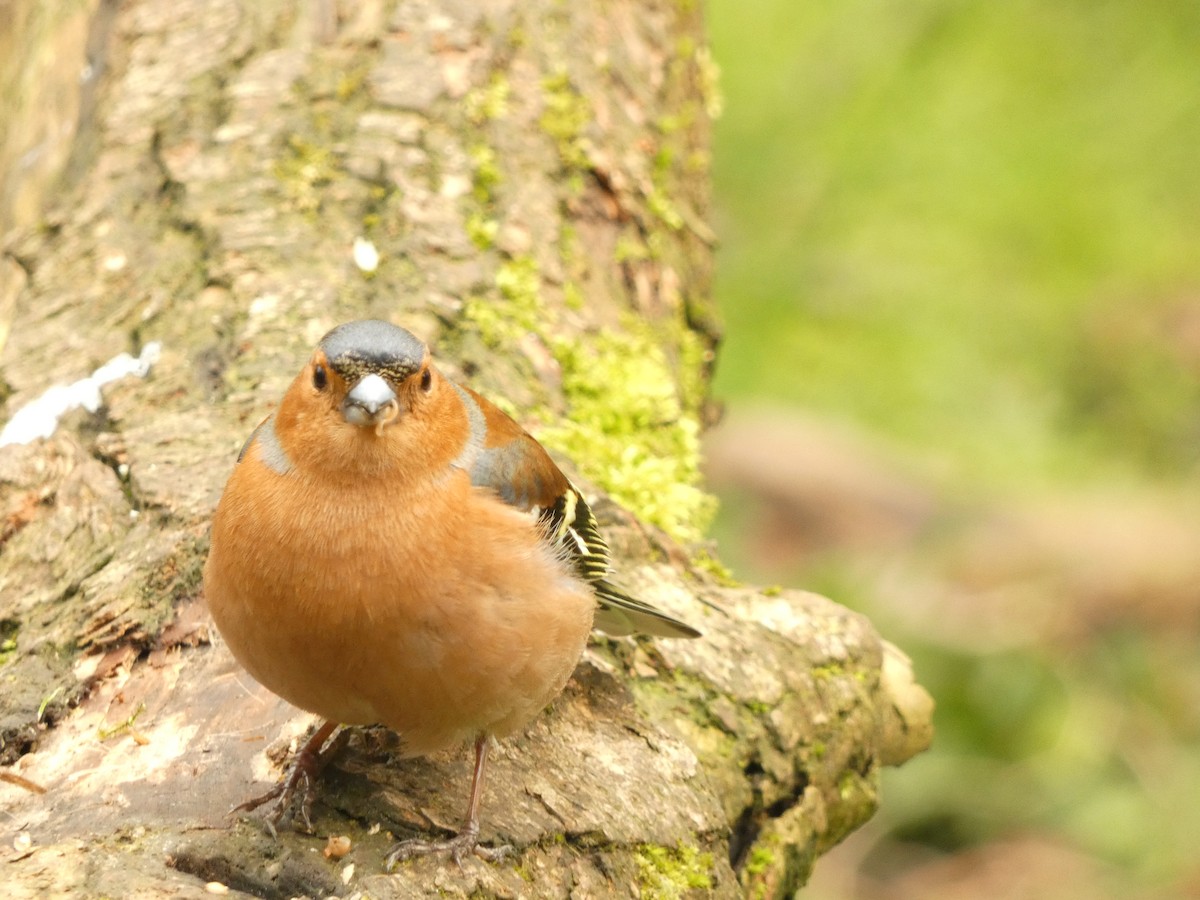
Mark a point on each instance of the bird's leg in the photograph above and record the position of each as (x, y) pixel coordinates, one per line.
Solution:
(467, 840)
(301, 776)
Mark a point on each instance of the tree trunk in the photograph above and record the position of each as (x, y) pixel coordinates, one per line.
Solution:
(533, 179)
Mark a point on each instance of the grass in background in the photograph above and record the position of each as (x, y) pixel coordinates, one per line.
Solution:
(973, 226)
(974, 229)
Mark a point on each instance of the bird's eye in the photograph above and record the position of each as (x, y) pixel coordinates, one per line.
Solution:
(426, 380)
(320, 377)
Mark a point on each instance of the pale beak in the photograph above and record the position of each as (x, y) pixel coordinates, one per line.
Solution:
(371, 402)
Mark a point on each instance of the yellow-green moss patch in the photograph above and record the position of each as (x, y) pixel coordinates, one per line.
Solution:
(489, 102)
(669, 873)
(628, 430)
(303, 170)
(485, 173)
(502, 320)
(565, 113)
(632, 423)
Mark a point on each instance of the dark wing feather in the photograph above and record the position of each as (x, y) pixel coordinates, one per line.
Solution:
(570, 525)
(503, 457)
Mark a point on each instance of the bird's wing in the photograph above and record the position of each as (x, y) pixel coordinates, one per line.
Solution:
(503, 457)
(570, 525)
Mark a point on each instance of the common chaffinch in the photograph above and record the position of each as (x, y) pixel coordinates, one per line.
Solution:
(392, 548)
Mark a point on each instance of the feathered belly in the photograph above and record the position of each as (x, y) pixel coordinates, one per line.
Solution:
(360, 624)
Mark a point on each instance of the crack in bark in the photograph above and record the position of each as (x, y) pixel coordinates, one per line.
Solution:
(750, 822)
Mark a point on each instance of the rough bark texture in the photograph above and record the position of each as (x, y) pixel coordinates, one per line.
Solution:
(534, 177)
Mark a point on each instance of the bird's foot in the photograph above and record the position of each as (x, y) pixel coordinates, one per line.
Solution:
(459, 847)
(300, 782)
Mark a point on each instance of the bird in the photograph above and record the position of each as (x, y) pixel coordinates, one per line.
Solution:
(393, 549)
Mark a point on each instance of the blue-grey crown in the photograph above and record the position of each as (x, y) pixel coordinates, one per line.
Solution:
(358, 348)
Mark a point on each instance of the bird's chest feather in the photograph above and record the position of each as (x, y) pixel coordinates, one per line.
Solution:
(345, 546)
(301, 557)
(343, 606)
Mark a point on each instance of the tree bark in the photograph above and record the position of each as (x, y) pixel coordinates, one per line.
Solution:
(533, 177)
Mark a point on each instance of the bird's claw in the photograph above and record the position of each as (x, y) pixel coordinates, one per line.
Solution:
(282, 797)
(301, 779)
(272, 817)
(255, 802)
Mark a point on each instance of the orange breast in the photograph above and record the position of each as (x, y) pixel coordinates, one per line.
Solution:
(436, 611)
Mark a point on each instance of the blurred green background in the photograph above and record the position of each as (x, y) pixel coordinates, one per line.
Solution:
(960, 276)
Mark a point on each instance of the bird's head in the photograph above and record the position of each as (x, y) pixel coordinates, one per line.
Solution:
(369, 402)
(371, 373)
